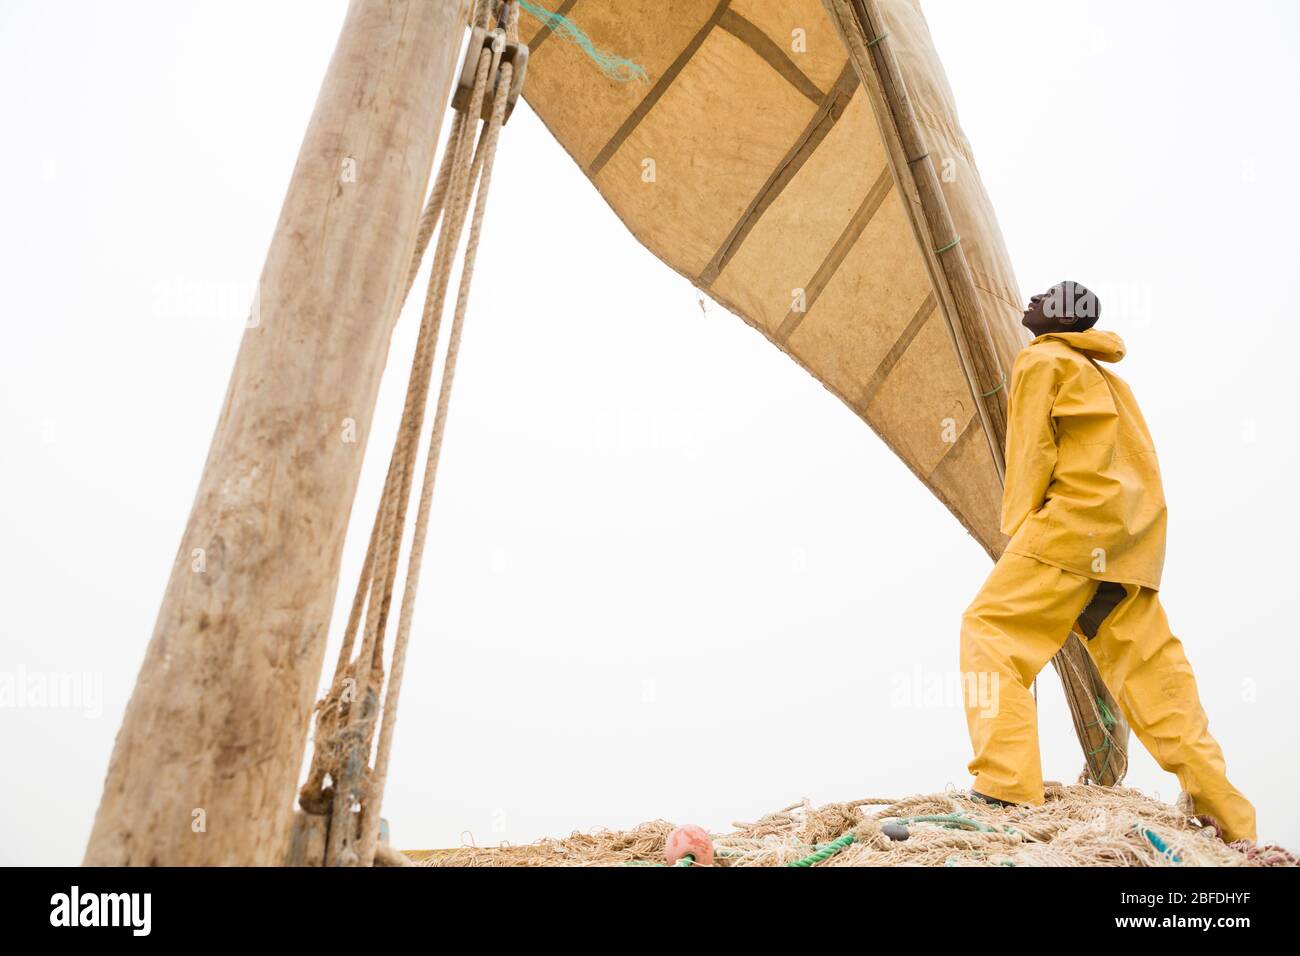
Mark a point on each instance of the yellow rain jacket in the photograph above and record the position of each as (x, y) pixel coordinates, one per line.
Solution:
(1083, 487)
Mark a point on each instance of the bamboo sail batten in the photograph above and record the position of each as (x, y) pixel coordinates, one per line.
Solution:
(865, 35)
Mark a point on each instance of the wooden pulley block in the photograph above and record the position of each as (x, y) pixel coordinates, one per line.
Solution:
(516, 54)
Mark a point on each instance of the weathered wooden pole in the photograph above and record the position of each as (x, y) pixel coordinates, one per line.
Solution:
(206, 763)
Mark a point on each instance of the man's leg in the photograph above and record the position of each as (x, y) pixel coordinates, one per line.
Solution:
(1020, 618)
(1144, 666)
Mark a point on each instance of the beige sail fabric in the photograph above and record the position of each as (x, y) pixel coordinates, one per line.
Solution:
(750, 161)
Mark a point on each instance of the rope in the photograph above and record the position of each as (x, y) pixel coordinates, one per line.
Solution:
(1161, 847)
(950, 820)
(332, 710)
(948, 246)
(1105, 721)
(1075, 826)
(824, 852)
(345, 730)
(995, 388)
(614, 67)
(370, 811)
(1107, 717)
(395, 499)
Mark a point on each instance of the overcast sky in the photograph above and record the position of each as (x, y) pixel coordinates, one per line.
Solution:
(670, 576)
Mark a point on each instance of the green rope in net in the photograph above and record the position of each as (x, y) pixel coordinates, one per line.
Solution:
(617, 68)
(824, 852)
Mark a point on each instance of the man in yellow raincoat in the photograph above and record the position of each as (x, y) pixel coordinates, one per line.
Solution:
(1085, 511)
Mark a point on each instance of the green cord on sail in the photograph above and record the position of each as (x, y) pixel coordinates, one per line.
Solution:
(617, 68)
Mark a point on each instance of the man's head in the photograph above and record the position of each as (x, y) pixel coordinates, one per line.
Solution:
(1065, 307)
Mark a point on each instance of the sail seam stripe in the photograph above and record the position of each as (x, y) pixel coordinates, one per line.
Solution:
(897, 350)
(843, 246)
(766, 47)
(961, 440)
(656, 92)
(818, 128)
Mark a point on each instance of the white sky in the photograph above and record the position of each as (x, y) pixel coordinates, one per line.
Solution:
(669, 574)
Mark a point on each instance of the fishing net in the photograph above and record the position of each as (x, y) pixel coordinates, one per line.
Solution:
(1077, 825)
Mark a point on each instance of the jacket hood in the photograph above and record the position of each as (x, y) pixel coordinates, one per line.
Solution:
(1102, 346)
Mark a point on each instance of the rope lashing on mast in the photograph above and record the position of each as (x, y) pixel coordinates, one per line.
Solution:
(349, 715)
(995, 388)
(946, 246)
(1104, 723)
(1106, 720)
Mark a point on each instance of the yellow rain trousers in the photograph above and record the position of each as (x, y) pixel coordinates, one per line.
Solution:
(1085, 511)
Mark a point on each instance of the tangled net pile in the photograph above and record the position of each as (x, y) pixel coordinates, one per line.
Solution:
(1076, 826)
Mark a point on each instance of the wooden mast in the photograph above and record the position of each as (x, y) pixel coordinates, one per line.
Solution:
(915, 172)
(206, 763)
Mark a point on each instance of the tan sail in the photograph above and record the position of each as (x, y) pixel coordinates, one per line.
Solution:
(750, 161)
(753, 160)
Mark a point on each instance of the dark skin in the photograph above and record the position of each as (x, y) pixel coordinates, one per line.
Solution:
(1037, 320)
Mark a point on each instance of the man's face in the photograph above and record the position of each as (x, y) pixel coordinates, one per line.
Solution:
(1034, 319)
(1062, 308)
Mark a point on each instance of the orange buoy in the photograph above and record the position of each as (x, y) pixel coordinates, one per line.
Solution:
(691, 840)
